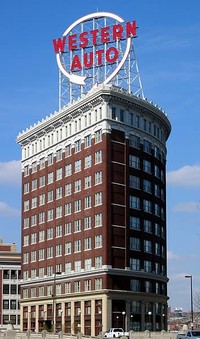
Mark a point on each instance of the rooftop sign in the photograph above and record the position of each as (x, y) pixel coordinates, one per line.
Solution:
(95, 46)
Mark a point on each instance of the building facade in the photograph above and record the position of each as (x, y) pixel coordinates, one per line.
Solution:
(94, 216)
(10, 275)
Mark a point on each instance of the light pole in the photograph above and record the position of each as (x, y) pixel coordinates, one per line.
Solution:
(53, 303)
(149, 314)
(123, 313)
(191, 299)
(117, 317)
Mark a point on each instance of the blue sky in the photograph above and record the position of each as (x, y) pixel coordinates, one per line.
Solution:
(167, 50)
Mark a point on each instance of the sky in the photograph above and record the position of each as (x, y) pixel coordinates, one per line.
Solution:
(167, 50)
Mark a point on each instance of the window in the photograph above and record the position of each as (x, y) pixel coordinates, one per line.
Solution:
(88, 264)
(157, 190)
(34, 184)
(121, 115)
(50, 214)
(77, 225)
(77, 205)
(49, 252)
(78, 165)
(68, 228)
(77, 266)
(98, 241)
(68, 189)
(135, 264)
(68, 267)
(135, 244)
(98, 262)
(98, 177)
(58, 250)
(59, 212)
(98, 157)
(33, 256)
(134, 181)
(26, 223)
(78, 146)
(87, 223)
(88, 243)
(68, 248)
(34, 220)
(77, 186)
(59, 193)
(68, 208)
(134, 223)
(33, 238)
(50, 159)
(68, 150)
(135, 285)
(157, 249)
(157, 210)
(88, 161)
(98, 219)
(50, 178)
(50, 196)
(147, 166)
(147, 226)
(41, 236)
(157, 229)
(88, 181)
(147, 266)
(42, 199)
(26, 240)
(41, 254)
(68, 170)
(98, 284)
(147, 186)
(134, 161)
(134, 202)
(147, 246)
(114, 116)
(59, 155)
(59, 173)
(59, 231)
(98, 136)
(26, 170)
(88, 201)
(147, 146)
(34, 202)
(147, 206)
(77, 286)
(41, 217)
(26, 205)
(87, 287)
(26, 188)
(42, 181)
(50, 233)
(134, 141)
(6, 304)
(98, 198)
(77, 246)
(88, 140)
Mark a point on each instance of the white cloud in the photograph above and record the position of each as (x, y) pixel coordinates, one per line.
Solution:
(8, 211)
(191, 207)
(10, 172)
(171, 256)
(187, 176)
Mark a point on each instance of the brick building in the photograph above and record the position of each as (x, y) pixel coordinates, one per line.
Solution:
(10, 275)
(94, 216)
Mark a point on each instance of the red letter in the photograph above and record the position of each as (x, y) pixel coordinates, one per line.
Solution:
(85, 58)
(94, 36)
(113, 56)
(105, 34)
(76, 63)
(72, 41)
(99, 56)
(117, 32)
(59, 44)
(131, 29)
(83, 39)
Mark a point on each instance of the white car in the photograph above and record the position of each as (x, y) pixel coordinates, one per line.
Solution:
(115, 333)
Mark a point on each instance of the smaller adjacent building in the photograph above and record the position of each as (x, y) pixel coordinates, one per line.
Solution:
(10, 275)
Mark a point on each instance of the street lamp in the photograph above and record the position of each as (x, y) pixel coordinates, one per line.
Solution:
(191, 299)
(117, 317)
(53, 304)
(149, 314)
(123, 313)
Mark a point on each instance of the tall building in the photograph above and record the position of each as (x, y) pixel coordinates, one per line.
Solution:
(10, 276)
(94, 216)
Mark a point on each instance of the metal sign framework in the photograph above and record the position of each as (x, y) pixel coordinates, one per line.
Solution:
(127, 77)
